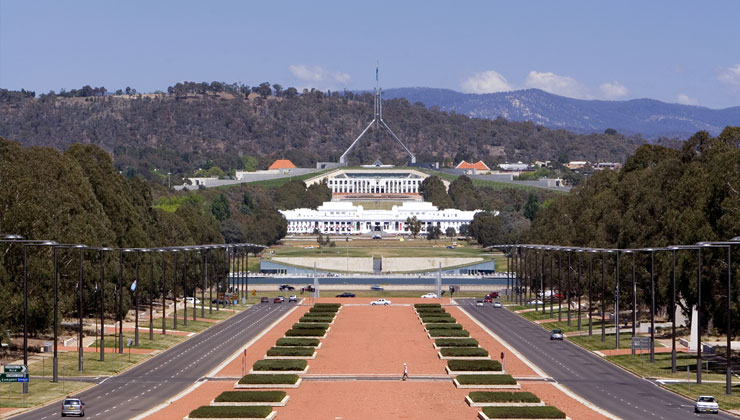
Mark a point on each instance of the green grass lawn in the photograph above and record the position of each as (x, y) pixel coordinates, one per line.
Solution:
(661, 368)
(594, 342)
(727, 402)
(39, 392)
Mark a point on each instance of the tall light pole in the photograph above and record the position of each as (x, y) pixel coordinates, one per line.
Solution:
(174, 287)
(616, 300)
(101, 256)
(580, 259)
(120, 288)
(151, 294)
(162, 253)
(591, 252)
(204, 273)
(185, 257)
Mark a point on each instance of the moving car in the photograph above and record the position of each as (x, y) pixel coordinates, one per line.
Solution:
(286, 288)
(264, 299)
(556, 334)
(381, 301)
(191, 300)
(535, 302)
(309, 288)
(493, 295)
(429, 296)
(346, 294)
(479, 303)
(487, 299)
(292, 298)
(497, 304)
(73, 407)
(279, 299)
(706, 403)
(376, 287)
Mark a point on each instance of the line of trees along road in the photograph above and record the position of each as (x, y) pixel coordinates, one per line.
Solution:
(661, 197)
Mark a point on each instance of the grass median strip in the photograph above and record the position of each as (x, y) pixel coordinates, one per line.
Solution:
(523, 413)
(258, 412)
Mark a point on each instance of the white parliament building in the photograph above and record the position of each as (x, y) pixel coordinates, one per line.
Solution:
(345, 215)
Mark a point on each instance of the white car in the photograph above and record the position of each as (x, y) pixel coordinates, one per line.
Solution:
(381, 301)
(706, 403)
(497, 304)
(192, 300)
(429, 296)
(535, 302)
(479, 303)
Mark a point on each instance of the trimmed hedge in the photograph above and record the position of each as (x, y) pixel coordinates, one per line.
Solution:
(463, 352)
(230, 412)
(503, 396)
(310, 342)
(319, 315)
(251, 396)
(441, 332)
(430, 310)
(485, 380)
(547, 412)
(327, 305)
(456, 342)
(310, 325)
(474, 365)
(291, 351)
(427, 305)
(312, 332)
(287, 364)
(262, 379)
(323, 310)
(443, 326)
(439, 319)
(323, 319)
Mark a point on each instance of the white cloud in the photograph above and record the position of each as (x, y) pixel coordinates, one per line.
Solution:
(684, 99)
(318, 74)
(613, 90)
(559, 85)
(730, 76)
(486, 82)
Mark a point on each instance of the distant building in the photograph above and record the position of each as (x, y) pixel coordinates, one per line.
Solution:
(281, 164)
(358, 184)
(607, 165)
(514, 167)
(576, 164)
(541, 164)
(477, 166)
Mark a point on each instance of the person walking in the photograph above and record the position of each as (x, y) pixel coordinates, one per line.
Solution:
(405, 372)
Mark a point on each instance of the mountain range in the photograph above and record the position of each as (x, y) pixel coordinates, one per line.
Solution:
(649, 117)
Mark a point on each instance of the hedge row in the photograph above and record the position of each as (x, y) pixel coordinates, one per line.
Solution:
(485, 380)
(230, 412)
(456, 342)
(310, 342)
(442, 325)
(286, 364)
(309, 326)
(261, 379)
(427, 305)
(430, 310)
(474, 365)
(327, 305)
(323, 319)
(322, 310)
(319, 315)
(464, 352)
(547, 412)
(438, 319)
(441, 332)
(503, 396)
(291, 351)
(313, 332)
(251, 396)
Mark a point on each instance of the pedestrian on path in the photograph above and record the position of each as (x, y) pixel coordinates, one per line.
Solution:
(405, 372)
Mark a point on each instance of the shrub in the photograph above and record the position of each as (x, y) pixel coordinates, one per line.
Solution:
(442, 325)
(323, 310)
(437, 319)
(456, 342)
(230, 412)
(421, 311)
(250, 396)
(323, 319)
(427, 305)
(277, 379)
(437, 332)
(305, 332)
(463, 352)
(503, 396)
(291, 351)
(312, 325)
(485, 380)
(474, 365)
(288, 364)
(319, 315)
(547, 412)
(311, 342)
(327, 305)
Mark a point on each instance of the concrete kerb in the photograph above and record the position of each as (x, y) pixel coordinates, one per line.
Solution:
(214, 370)
(281, 403)
(542, 374)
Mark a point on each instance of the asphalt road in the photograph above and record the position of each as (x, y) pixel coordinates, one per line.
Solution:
(584, 373)
(168, 373)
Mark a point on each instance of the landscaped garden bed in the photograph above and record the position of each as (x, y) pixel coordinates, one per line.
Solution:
(503, 399)
(522, 413)
(441, 332)
(500, 381)
(435, 310)
(251, 398)
(323, 319)
(291, 352)
(323, 310)
(455, 342)
(463, 352)
(312, 332)
(310, 325)
(459, 367)
(427, 305)
(298, 342)
(297, 366)
(443, 325)
(438, 319)
(268, 381)
(211, 412)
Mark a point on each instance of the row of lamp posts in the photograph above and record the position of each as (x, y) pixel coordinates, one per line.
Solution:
(235, 256)
(528, 263)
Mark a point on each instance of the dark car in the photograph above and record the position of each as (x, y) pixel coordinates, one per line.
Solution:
(346, 294)
(493, 295)
(73, 407)
(286, 288)
(309, 288)
(278, 299)
(264, 299)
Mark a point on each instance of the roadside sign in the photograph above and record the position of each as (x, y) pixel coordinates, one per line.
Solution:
(641, 343)
(14, 373)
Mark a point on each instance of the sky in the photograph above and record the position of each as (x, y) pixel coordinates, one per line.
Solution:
(675, 51)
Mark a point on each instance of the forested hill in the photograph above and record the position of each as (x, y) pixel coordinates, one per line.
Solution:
(649, 117)
(184, 130)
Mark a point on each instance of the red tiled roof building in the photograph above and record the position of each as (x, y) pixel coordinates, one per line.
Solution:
(282, 164)
(478, 166)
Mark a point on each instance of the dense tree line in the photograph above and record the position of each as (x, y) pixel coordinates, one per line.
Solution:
(201, 125)
(661, 197)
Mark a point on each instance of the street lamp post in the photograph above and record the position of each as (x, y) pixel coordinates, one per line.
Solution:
(590, 289)
(603, 297)
(162, 252)
(185, 257)
(552, 283)
(151, 294)
(101, 256)
(616, 300)
(204, 274)
(580, 251)
(120, 297)
(174, 288)
(567, 292)
(560, 287)
(79, 288)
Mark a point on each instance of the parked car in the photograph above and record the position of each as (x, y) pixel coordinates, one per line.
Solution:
(346, 294)
(192, 299)
(73, 407)
(535, 302)
(292, 298)
(429, 296)
(556, 334)
(376, 287)
(264, 299)
(497, 304)
(286, 288)
(706, 403)
(377, 236)
(309, 288)
(381, 301)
